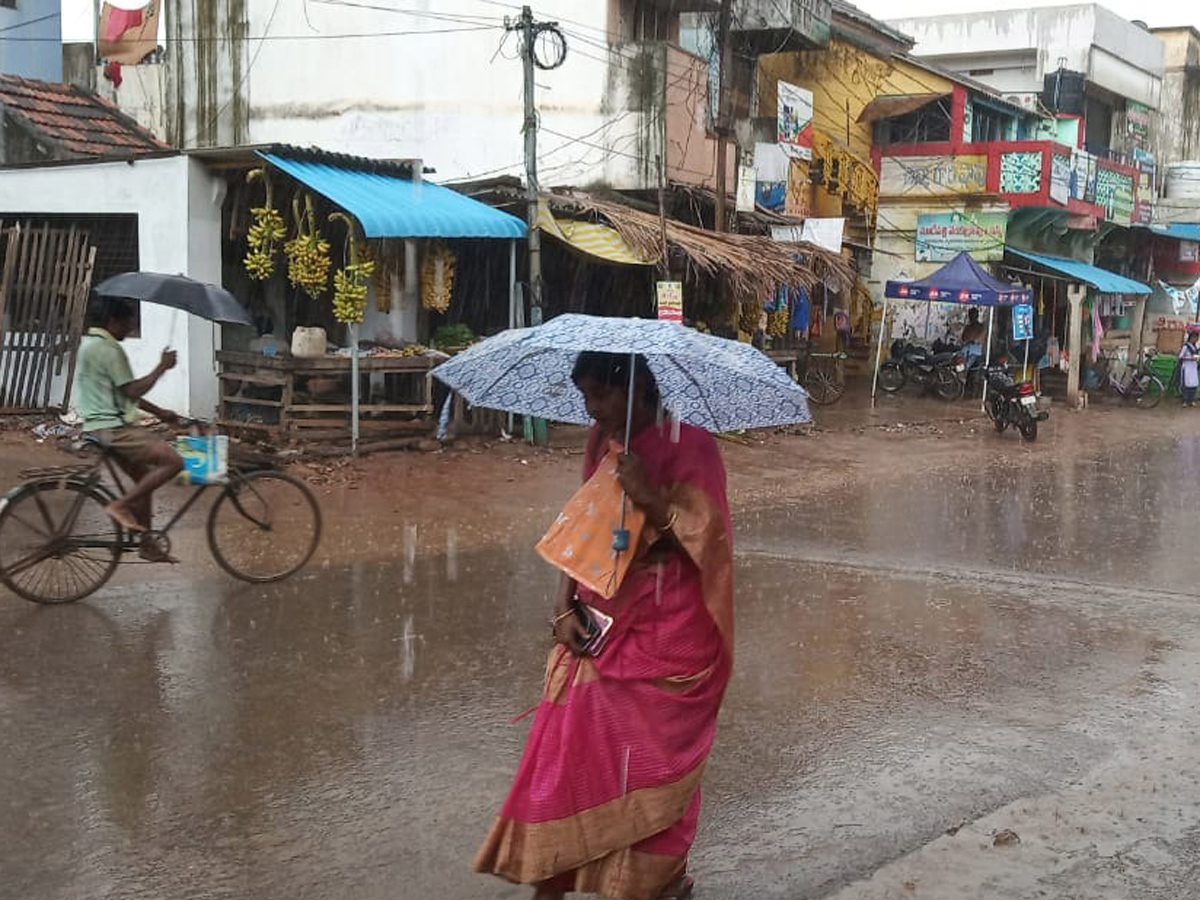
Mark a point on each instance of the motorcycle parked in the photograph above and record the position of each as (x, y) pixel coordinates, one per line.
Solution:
(1012, 403)
(910, 362)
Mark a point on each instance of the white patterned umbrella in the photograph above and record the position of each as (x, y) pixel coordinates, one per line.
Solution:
(713, 383)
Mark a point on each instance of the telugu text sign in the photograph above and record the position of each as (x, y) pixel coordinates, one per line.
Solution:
(932, 176)
(942, 236)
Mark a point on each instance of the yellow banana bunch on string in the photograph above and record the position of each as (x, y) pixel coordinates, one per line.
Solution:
(265, 233)
(437, 278)
(350, 282)
(307, 252)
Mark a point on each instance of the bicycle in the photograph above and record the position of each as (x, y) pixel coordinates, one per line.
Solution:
(826, 381)
(1140, 386)
(59, 545)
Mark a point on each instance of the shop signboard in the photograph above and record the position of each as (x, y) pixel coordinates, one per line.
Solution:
(1137, 121)
(1022, 322)
(942, 236)
(932, 176)
(670, 301)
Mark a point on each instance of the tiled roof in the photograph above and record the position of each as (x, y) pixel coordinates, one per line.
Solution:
(74, 121)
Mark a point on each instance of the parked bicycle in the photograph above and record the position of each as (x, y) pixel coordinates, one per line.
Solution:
(1137, 385)
(823, 375)
(58, 544)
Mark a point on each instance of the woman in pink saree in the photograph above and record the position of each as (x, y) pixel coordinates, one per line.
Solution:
(607, 794)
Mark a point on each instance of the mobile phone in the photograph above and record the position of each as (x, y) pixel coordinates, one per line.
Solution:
(596, 625)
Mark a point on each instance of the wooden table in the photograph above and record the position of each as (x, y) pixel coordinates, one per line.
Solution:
(268, 393)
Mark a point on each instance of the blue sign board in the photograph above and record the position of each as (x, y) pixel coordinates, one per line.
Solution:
(1022, 322)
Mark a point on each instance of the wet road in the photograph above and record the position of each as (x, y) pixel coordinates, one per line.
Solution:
(911, 657)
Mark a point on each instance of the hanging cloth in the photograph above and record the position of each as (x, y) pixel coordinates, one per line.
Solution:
(800, 310)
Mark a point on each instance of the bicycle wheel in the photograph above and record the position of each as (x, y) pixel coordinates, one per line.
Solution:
(1146, 391)
(57, 544)
(823, 387)
(264, 526)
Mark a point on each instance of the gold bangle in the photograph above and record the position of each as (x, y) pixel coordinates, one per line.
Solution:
(556, 619)
(671, 520)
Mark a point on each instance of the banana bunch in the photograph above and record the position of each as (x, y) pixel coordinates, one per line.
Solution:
(265, 233)
(350, 282)
(437, 278)
(777, 323)
(307, 252)
(748, 317)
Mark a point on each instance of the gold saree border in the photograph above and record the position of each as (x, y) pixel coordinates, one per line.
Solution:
(532, 852)
(628, 875)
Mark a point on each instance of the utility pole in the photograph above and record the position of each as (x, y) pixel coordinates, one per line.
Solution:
(722, 112)
(528, 33)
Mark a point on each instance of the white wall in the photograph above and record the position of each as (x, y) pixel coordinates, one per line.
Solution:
(178, 233)
(1130, 61)
(379, 83)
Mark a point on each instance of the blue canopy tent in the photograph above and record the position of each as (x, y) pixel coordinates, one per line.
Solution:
(962, 280)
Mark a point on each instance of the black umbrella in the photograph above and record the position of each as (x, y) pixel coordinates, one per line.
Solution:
(204, 300)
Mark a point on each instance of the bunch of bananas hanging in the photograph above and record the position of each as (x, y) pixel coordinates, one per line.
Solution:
(307, 252)
(748, 317)
(350, 282)
(437, 278)
(777, 323)
(266, 231)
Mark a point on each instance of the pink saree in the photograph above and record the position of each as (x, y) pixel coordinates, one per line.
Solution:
(607, 794)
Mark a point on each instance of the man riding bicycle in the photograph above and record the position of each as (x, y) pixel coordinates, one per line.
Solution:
(108, 398)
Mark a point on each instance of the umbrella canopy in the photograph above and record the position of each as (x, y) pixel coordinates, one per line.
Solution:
(204, 300)
(710, 382)
(962, 280)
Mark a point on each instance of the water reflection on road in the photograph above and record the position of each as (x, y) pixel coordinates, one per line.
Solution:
(909, 656)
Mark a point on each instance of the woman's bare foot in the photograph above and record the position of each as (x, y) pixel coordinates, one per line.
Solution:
(121, 514)
(679, 889)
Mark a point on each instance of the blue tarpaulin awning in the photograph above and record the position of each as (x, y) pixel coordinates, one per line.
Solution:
(962, 280)
(388, 206)
(1104, 281)
(1179, 231)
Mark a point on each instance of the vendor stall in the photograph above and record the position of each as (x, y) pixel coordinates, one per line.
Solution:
(363, 254)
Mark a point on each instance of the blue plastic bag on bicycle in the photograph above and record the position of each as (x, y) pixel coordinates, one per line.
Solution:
(205, 458)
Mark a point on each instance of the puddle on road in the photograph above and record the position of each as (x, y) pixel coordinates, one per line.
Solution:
(359, 720)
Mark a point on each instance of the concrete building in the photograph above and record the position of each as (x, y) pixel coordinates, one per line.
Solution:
(31, 46)
(1100, 72)
(444, 83)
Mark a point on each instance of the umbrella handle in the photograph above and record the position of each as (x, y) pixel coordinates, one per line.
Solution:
(621, 533)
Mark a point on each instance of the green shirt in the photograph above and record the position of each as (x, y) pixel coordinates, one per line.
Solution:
(103, 369)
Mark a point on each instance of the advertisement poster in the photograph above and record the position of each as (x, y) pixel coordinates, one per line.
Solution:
(1137, 121)
(670, 301)
(795, 125)
(1022, 322)
(942, 236)
(798, 192)
(745, 189)
(1060, 178)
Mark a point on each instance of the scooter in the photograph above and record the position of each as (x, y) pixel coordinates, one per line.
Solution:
(1012, 403)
